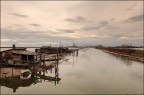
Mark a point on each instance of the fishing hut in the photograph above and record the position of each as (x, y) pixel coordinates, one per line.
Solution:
(52, 50)
(19, 56)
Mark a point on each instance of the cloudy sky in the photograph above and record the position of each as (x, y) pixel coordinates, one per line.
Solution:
(36, 23)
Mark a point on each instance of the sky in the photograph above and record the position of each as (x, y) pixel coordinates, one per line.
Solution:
(43, 23)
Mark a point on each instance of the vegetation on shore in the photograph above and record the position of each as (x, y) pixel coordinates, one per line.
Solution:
(124, 51)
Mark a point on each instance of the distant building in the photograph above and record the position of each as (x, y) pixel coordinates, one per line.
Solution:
(99, 46)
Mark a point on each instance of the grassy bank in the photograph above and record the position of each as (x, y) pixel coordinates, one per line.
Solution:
(126, 52)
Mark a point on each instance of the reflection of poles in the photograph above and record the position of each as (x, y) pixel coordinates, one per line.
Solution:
(76, 58)
(5, 75)
(12, 71)
(44, 74)
(74, 55)
(56, 72)
(73, 58)
(76, 52)
(55, 75)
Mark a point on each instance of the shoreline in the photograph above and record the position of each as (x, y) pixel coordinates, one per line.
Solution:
(125, 55)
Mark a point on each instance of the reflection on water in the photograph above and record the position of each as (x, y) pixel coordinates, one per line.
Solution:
(86, 72)
(125, 60)
(15, 77)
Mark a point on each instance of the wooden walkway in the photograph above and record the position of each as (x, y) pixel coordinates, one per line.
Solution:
(16, 65)
(52, 59)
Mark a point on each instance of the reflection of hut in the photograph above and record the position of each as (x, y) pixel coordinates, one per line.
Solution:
(52, 50)
(25, 78)
(9, 72)
(25, 74)
(18, 56)
(15, 82)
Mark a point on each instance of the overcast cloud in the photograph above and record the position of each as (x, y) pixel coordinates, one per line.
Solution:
(19, 15)
(36, 23)
(137, 18)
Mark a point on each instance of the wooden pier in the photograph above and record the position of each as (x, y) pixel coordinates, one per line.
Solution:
(16, 65)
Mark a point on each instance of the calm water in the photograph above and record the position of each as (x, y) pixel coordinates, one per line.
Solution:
(91, 72)
(138, 48)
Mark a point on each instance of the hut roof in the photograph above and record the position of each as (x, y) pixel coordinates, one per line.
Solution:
(13, 49)
(23, 52)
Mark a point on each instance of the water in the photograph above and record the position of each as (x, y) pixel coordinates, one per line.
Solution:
(138, 48)
(91, 72)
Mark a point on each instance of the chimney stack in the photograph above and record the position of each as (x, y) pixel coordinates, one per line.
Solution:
(13, 46)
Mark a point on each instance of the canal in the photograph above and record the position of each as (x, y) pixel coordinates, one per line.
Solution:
(91, 72)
